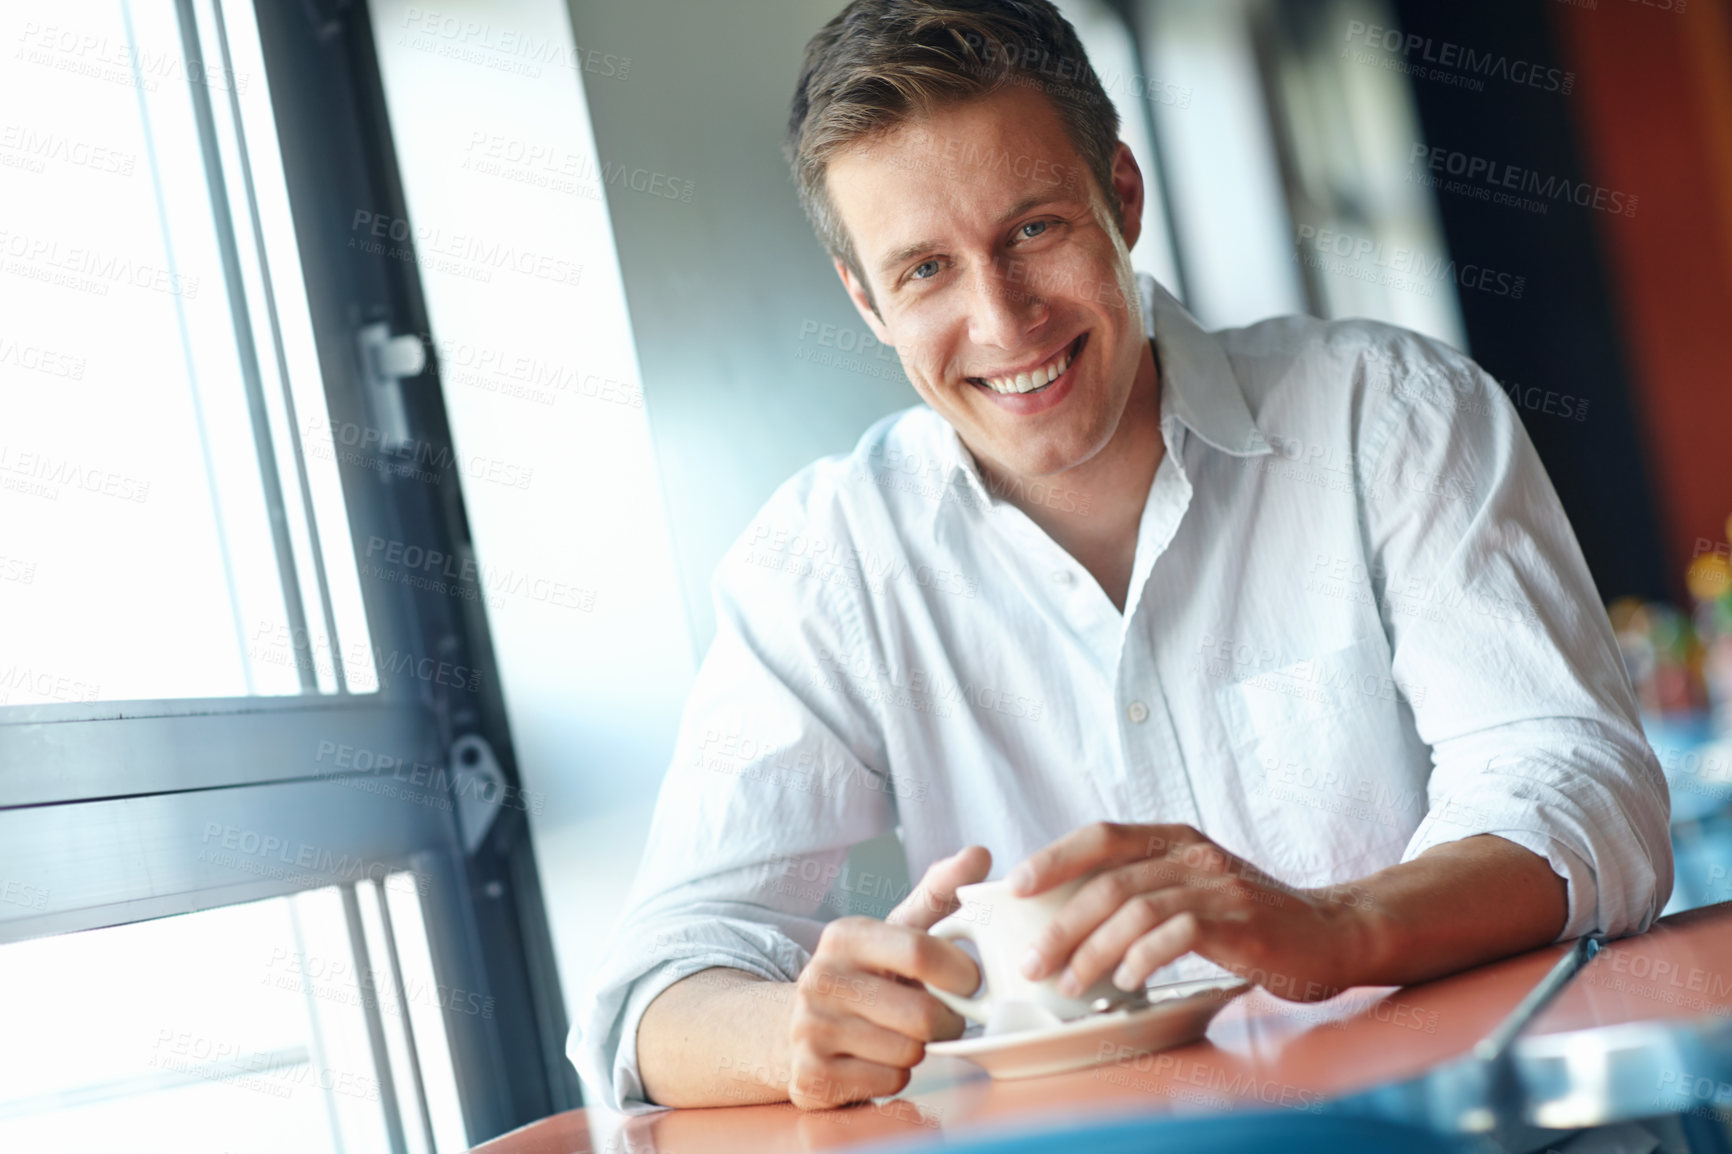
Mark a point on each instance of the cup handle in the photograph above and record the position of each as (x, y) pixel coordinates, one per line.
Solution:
(975, 1009)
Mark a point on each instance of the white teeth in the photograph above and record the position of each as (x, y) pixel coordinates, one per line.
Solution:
(1028, 382)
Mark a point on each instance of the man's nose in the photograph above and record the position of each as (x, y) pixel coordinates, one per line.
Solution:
(1004, 310)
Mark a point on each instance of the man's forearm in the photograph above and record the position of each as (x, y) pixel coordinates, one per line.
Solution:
(716, 1038)
(1457, 905)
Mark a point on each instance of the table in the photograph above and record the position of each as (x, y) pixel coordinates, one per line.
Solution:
(1263, 1053)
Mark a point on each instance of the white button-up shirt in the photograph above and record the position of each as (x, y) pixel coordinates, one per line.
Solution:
(1358, 626)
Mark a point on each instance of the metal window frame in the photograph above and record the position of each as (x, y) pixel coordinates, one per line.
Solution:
(120, 810)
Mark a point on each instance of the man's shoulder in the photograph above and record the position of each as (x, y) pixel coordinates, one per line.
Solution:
(862, 498)
(900, 452)
(1305, 352)
(1299, 373)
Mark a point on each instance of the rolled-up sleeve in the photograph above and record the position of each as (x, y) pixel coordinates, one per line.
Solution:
(777, 773)
(1513, 673)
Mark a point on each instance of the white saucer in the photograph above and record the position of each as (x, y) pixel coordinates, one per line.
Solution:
(1180, 1013)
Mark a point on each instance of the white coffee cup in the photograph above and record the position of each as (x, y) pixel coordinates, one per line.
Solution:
(1003, 927)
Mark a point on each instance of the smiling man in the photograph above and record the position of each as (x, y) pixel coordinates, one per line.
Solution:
(1280, 632)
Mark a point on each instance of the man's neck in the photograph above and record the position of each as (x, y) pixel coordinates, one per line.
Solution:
(1093, 510)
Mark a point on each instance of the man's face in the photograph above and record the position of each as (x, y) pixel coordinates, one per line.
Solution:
(994, 261)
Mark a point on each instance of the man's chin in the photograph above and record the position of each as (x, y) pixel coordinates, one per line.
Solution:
(1019, 467)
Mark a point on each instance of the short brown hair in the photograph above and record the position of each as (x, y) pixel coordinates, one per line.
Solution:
(881, 62)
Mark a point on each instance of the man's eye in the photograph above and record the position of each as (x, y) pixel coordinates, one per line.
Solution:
(1038, 227)
(916, 274)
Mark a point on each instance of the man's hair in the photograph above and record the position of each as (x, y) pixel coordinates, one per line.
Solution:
(882, 62)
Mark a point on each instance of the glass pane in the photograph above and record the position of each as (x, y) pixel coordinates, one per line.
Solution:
(237, 1029)
(428, 1002)
(242, 1029)
(141, 382)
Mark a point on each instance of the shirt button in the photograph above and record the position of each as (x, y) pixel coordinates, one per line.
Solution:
(1063, 577)
(1137, 712)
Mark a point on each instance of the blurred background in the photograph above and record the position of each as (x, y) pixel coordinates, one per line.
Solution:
(380, 384)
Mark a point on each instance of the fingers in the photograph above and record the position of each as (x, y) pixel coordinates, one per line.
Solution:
(906, 952)
(819, 1085)
(1137, 885)
(1171, 940)
(895, 1037)
(1086, 910)
(908, 1010)
(874, 970)
(847, 1035)
(1101, 845)
(860, 1021)
(935, 897)
(1139, 938)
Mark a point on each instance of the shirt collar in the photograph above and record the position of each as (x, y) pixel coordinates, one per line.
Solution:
(1199, 390)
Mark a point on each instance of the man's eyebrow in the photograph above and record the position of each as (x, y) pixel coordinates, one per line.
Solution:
(906, 252)
(1034, 200)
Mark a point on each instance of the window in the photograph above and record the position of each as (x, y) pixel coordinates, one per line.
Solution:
(1285, 171)
(232, 724)
(1366, 235)
(155, 474)
(261, 1019)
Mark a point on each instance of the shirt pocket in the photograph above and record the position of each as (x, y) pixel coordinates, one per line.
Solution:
(1331, 776)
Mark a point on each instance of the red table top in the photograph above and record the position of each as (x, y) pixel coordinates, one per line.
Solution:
(1260, 1053)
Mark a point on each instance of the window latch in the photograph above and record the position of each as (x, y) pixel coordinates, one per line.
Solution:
(480, 787)
(387, 361)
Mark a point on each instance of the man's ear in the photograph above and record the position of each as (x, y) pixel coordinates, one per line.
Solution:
(862, 302)
(1128, 183)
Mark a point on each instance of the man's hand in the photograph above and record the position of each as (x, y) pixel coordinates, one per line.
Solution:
(1164, 891)
(860, 1018)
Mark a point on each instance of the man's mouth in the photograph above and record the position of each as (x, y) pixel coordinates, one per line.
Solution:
(1035, 380)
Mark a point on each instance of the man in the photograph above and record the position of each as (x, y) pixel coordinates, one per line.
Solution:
(1281, 630)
